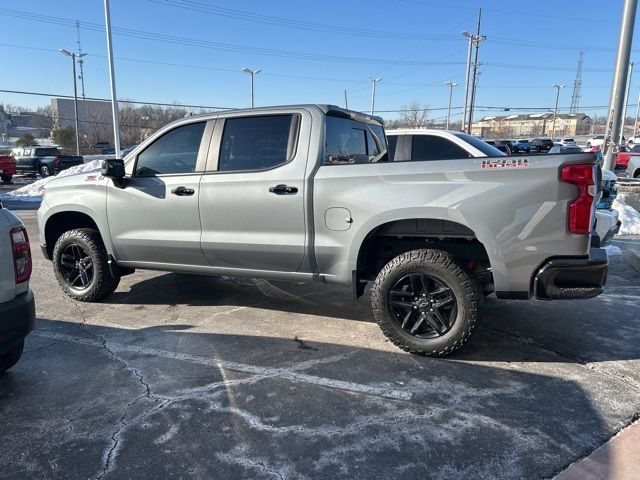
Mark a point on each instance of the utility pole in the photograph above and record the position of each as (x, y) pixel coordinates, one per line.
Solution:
(450, 85)
(80, 61)
(112, 81)
(618, 85)
(635, 123)
(469, 36)
(251, 73)
(475, 40)
(75, 94)
(373, 92)
(577, 83)
(346, 101)
(555, 110)
(627, 92)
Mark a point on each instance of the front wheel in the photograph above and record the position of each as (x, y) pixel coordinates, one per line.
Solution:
(10, 358)
(6, 178)
(425, 302)
(81, 265)
(588, 144)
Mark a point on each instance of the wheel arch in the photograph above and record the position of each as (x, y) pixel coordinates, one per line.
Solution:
(64, 220)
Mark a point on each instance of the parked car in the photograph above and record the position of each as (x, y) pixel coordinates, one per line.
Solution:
(7, 168)
(44, 160)
(633, 166)
(541, 145)
(521, 146)
(126, 151)
(432, 144)
(100, 145)
(607, 221)
(568, 142)
(624, 154)
(565, 149)
(595, 141)
(634, 139)
(307, 193)
(17, 306)
(500, 146)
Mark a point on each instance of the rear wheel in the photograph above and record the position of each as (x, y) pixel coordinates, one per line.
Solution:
(588, 144)
(10, 358)
(44, 171)
(6, 178)
(81, 265)
(425, 302)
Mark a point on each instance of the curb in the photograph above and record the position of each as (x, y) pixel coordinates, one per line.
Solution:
(632, 257)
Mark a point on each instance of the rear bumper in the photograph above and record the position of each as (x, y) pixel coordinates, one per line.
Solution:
(17, 319)
(572, 278)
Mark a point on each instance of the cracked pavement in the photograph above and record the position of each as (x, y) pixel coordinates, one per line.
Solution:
(180, 376)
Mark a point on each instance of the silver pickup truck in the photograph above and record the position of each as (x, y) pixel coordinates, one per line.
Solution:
(307, 193)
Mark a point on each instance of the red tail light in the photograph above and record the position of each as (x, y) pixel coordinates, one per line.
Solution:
(21, 254)
(581, 209)
(57, 161)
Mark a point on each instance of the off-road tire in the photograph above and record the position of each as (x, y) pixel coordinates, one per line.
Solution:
(443, 267)
(6, 178)
(10, 358)
(103, 283)
(44, 171)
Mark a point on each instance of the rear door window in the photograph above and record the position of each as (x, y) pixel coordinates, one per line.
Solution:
(432, 147)
(391, 145)
(351, 141)
(256, 143)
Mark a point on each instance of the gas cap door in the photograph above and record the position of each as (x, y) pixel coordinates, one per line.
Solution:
(338, 219)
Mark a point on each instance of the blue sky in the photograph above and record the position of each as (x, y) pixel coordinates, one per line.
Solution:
(414, 45)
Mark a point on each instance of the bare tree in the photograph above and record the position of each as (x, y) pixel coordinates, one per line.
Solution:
(414, 116)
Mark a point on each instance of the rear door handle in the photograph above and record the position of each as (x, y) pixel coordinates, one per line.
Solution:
(283, 190)
(183, 191)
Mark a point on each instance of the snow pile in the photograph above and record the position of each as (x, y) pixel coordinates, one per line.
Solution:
(629, 217)
(33, 191)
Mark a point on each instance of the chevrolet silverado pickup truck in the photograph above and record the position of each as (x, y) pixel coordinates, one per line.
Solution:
(44, 160)
(17, 306)
(307, 193)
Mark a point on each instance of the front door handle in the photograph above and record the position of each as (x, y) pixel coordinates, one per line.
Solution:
(183, 191)
(283, 190)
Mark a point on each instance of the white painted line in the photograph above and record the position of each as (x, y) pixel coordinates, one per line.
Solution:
(287, 373)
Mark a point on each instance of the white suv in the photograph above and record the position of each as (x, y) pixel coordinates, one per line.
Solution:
(595, 141)
(17, 306)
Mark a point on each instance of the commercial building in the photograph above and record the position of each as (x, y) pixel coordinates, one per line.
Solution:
(532, 125)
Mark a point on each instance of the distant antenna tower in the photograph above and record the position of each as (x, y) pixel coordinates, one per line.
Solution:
(80, 57)
(577, 83)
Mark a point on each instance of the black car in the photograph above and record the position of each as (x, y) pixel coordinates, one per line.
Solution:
(541, 144)
(521, 146)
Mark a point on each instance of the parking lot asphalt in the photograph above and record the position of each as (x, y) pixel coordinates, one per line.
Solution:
(183, 376)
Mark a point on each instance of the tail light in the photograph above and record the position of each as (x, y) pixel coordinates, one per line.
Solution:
(56, 160)
(580, 209)
(21, 254)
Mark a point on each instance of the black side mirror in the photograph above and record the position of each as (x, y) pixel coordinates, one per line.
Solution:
(113, 168)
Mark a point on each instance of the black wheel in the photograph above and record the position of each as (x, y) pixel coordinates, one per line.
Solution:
(44, 171)
(10, 358)
(588, 144)
(81, 265)
(425, 302)
(6, 178)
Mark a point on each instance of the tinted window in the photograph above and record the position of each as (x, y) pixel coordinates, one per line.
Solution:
(344, 140)
(391, 145)
(46, 152)
(431, 147)
(174, 152)
(255, 143)
(376, 143)
(488, 150)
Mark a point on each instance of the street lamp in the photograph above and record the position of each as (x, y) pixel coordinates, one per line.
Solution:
(555, 110)
(626, 99)
(450, 85)
(75, 92)
(469, 36)
(373, 92)
(251, 73)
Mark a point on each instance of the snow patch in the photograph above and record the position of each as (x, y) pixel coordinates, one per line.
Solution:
(613, 250)
(33, 191)
(629, 217)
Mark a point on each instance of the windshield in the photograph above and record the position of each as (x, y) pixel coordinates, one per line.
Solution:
(481, 145)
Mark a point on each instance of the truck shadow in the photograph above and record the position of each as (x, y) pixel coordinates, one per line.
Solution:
(340, 418)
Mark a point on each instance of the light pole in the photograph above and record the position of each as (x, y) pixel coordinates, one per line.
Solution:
(373, 92)
(450, 85)
(626, 100)
(75, 92)
(635, 123)
(555, 110)
(251, 73)
(468, 35)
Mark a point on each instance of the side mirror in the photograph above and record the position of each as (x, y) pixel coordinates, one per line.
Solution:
(113, 168)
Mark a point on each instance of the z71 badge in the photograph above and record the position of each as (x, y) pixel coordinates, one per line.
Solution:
(505, 163)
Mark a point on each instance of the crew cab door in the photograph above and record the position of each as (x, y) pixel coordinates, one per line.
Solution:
(153, 217)
(252, 194)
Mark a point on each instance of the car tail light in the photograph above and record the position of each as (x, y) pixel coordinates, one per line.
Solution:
(57, 161)
(580, 209)
(21, 254)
